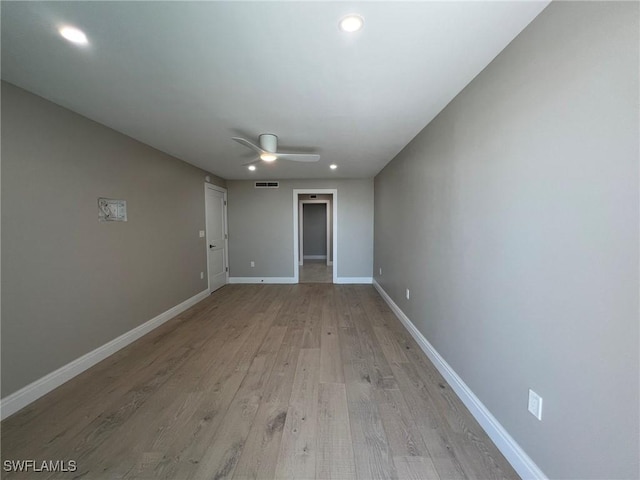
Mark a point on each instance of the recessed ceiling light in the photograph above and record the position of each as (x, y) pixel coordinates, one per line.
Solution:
(251, 167)
(333, 166)
(74, 35)
(351, 23)
(268, 157)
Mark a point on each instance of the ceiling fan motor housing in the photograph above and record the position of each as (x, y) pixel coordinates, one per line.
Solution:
(269, 142)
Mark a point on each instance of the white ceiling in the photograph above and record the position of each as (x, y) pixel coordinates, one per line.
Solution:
(185, 77)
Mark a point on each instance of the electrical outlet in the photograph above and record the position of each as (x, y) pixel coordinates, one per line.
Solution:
(201, 275)
(535, 404)
(380, 270)
(253, 264)
(408, 294)
(201, 233)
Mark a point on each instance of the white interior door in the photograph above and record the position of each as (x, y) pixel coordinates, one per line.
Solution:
(216, 238)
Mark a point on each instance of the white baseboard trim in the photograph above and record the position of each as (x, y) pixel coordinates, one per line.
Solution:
(26, 395)
(262, 280)
(517, 457)
(314, 257)
(350, 280)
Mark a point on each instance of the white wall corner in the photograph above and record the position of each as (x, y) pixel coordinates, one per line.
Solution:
(30, 393)
(515, 455)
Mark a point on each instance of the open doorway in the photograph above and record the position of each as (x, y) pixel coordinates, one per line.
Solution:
(315, 265)
(314, 230)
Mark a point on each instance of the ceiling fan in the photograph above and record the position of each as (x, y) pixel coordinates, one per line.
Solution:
(268, 150)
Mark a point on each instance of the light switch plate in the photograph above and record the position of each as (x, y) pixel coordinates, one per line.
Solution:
(535, 404)
(111, 210)
(201, 233)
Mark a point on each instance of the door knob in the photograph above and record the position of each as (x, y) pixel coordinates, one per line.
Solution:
(212, 246)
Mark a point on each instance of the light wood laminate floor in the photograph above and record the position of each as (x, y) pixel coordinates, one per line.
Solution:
(316, 271)
(261, 381)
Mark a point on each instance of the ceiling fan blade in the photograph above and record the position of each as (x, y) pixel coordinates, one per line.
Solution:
(251, 163)
(299, 157)
(247, 143)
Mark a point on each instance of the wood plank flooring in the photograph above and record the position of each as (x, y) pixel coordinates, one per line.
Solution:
(259, 382)
(315, 271)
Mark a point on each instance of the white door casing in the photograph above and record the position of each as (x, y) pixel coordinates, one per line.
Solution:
(216, 223)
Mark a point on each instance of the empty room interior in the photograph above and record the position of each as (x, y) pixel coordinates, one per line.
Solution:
(320, 240)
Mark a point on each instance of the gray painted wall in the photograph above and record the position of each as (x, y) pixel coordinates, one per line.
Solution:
(69, 283)
(513, 217)
(315, 228)
(261, 227)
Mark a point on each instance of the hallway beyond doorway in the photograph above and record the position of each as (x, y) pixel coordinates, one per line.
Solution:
(316, 271)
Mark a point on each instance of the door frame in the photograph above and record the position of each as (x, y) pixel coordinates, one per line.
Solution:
(296, 233)
(223, 190)
(301, 204)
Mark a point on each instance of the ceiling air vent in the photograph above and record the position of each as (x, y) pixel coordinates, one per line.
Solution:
(267, 184)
